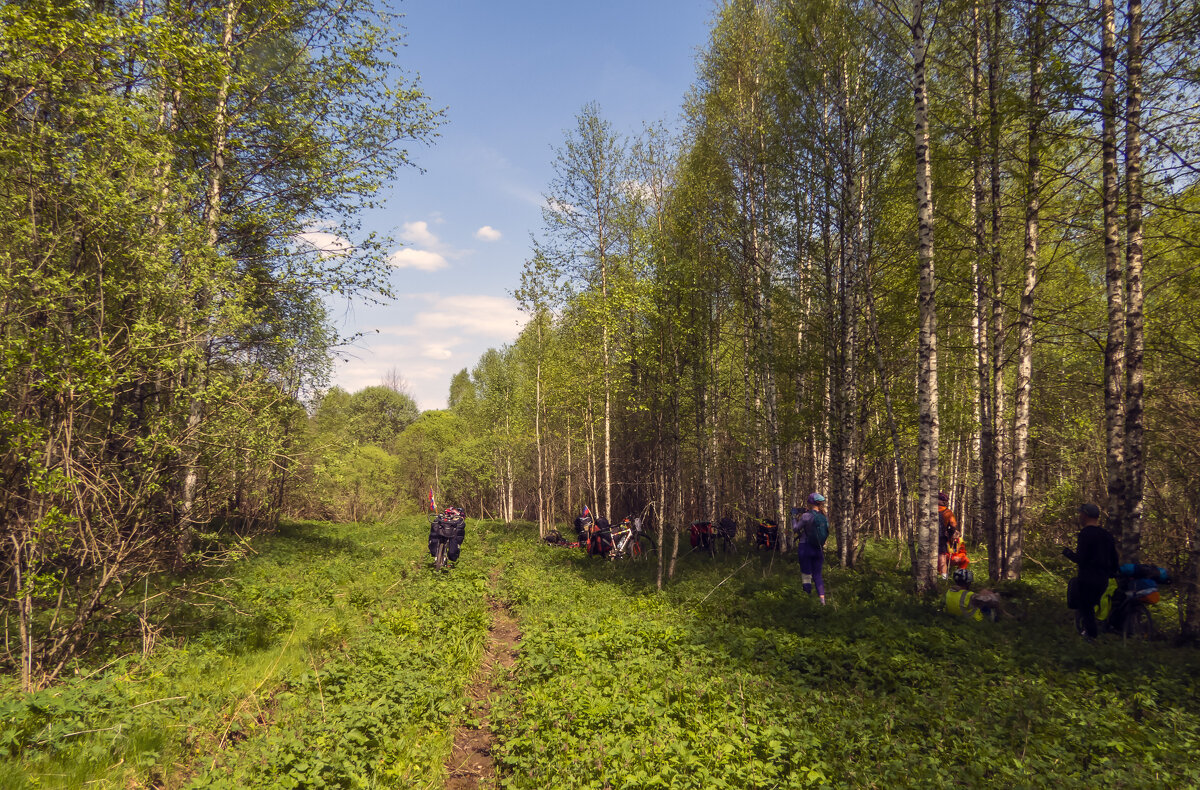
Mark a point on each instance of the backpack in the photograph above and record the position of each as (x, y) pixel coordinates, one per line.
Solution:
(816, 530)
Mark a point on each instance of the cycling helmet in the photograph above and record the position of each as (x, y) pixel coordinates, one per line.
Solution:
(815, 499)
(963, 577)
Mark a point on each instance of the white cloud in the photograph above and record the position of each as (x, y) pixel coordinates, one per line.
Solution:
(325, 243)
(433, 337)
(637, 189)
(488, 316)
(425, 251)
(559, 206)
(418, 233)
(488, 233)
(424, 260)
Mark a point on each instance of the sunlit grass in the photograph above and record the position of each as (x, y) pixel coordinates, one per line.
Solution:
(735, 678)
(314, 664)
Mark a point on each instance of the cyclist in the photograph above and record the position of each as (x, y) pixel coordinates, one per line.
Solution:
(1096, 555)
(947, 532)
(812, 531)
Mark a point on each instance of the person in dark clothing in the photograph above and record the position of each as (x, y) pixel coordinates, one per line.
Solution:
(1096, 555)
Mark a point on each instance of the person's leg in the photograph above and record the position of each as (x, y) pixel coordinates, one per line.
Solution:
(1090, 591)
(942, 564)
(818, 563)
(804, 555)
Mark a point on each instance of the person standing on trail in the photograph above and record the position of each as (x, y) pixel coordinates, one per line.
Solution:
(947, 532)
(812, 530)
(1096, 555)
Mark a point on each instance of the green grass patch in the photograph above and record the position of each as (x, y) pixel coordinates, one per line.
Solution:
(752, 684)
(333, 657)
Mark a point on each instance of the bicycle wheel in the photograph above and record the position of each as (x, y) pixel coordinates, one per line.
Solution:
(641, 547)
(725, 545)
(1138, 623)
(439, 560)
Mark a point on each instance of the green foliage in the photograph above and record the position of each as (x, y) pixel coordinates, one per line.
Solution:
(753, 684)
(167, 172)
(332, 657)
(359, 484)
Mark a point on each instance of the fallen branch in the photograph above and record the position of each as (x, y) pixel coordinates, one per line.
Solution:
(727, 578)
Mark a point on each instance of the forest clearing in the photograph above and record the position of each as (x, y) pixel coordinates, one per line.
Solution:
(910, 265)
(335, 656)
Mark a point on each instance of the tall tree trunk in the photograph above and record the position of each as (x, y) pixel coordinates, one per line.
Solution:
(986, 505)
(1114, 349)
(1025, 330)
(1131, 522)
(904, 514)
(927, 393)
(543, 526)
(997, 561)
(211, 219)
(1190, 592)
(570, 491)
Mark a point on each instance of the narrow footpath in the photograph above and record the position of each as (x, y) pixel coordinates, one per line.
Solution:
(470, 764)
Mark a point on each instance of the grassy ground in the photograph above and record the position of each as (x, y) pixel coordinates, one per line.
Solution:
(337, 658)
(753, 684)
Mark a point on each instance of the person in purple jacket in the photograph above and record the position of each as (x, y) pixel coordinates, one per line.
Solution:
(812, 530)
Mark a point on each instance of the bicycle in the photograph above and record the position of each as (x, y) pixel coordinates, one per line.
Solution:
(1130, 596)
(724, 540)
(444, 527)
(630, 541)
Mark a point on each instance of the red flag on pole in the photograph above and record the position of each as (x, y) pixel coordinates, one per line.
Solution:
(432, 507)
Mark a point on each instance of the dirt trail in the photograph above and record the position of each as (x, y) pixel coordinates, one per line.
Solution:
(470, 764)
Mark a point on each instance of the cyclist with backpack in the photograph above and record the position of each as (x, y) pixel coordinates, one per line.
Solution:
(812, 530)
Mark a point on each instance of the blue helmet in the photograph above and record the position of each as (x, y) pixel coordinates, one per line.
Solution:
(815, 499)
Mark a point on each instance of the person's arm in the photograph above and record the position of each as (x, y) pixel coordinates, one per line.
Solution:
(1076, 555)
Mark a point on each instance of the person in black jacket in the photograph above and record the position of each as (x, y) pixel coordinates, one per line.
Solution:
(1096, 555)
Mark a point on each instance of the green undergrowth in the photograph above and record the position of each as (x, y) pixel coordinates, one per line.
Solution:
(750, 683)
(333, 657)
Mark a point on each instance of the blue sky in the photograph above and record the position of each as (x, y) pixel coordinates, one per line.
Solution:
(512, 77)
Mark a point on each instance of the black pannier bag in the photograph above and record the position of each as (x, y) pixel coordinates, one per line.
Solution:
(766, 535)
(582, 526)
(448, 526)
